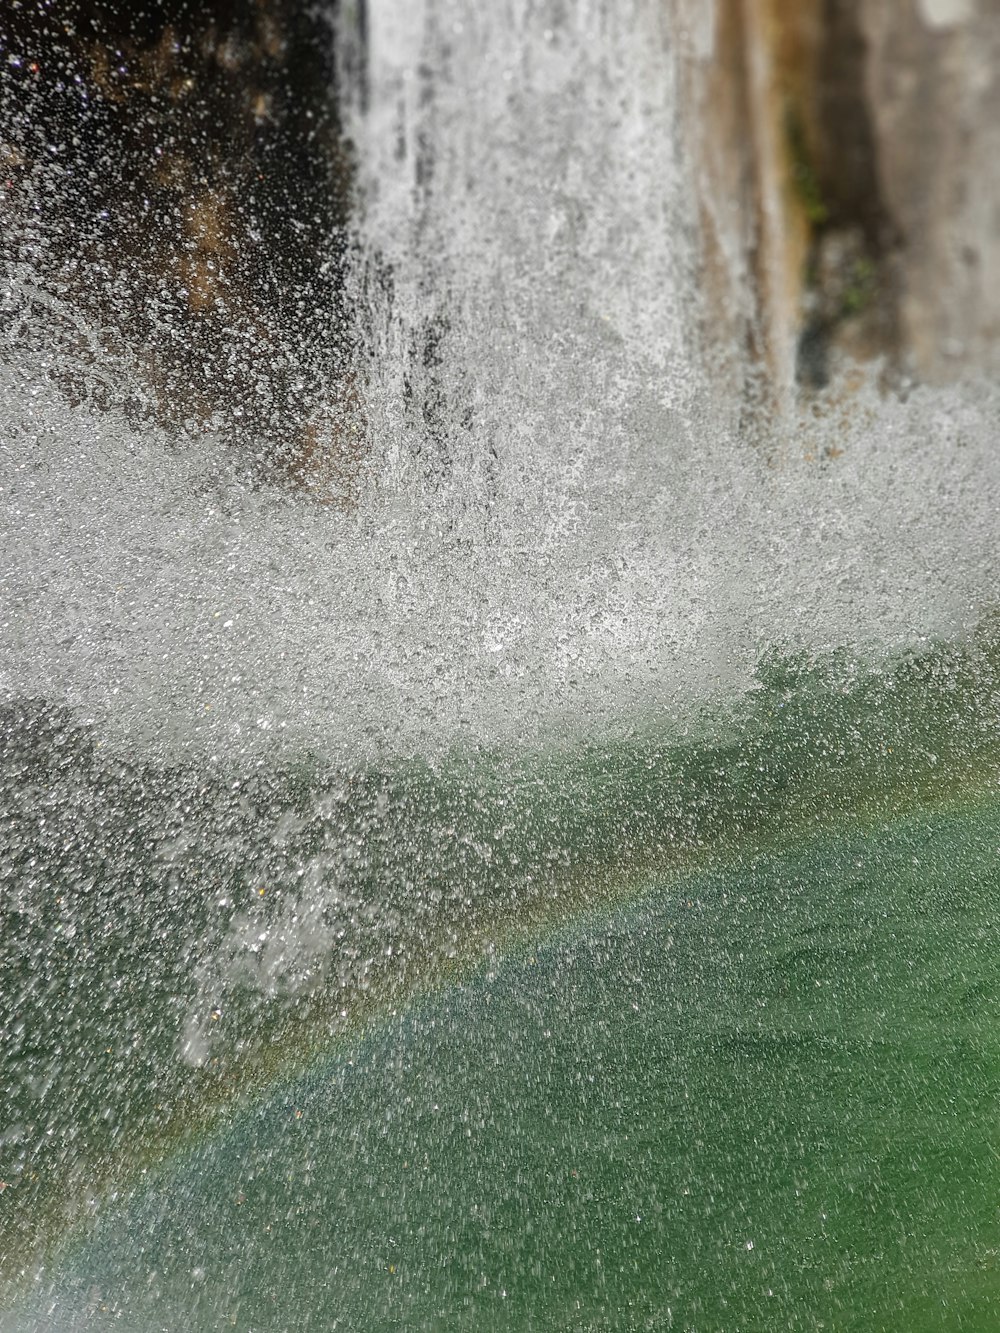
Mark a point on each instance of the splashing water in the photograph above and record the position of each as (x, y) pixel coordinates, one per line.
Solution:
(271, 767)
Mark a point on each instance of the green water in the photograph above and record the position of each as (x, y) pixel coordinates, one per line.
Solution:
(766, 1097)
(688, 1031)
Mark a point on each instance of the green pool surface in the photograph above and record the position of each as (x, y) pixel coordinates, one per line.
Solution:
(761, 1096)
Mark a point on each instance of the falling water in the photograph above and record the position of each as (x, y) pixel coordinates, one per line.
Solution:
(498, 778)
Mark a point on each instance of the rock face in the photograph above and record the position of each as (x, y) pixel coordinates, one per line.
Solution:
(932, 82)
(849, 185)
(177, 171)
(755, 234)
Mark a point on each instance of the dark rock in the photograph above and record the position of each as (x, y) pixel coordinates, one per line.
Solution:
(178, 171)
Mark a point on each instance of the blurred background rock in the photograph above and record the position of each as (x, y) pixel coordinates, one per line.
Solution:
(176, 172)
(851, 147)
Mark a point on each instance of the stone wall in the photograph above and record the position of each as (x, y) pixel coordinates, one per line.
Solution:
(848, 154)
(932, 83)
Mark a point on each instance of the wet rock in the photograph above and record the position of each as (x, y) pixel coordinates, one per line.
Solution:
(178, 172)
(847, 152)
(932, 81)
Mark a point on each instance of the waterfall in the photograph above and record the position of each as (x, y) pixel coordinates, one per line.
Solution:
(585, 621)
(559, 515)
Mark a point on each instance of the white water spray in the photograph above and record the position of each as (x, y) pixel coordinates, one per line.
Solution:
(561, 524)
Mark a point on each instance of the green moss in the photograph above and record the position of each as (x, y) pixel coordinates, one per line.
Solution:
(803, 172)
(860, 288)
